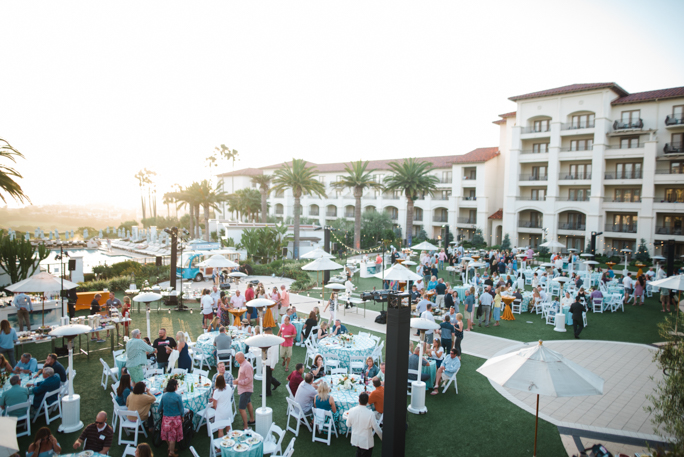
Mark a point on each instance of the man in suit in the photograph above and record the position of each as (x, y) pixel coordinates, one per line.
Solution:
(51, 382)
(362, 423)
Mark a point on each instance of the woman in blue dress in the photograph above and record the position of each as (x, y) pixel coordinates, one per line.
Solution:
(184, 360)
(45, 444)
(323, 399)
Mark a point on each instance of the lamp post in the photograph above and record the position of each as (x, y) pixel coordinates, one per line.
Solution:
(417, 405)
(264, 415)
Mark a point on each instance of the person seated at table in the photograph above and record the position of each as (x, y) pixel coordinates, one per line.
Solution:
(223, 340)
(289, 313)
(377, 397)
(26, 365)
(14, 395)
(214, 325)
(141, 400)
(566, 300)
(338, 328)
(581, 295)
(323, 331)
(518, 295)
(450, 365)
(436, 352)
(371, 369)
(44, 445)
(50, 383)
(247, 326)
(413, 365)
(51, 361)
(221, 370)
(124, 389)
(5, 366)
(296, 377)
(323, 400)
(318, 367)
(306, 393)
(310, 323)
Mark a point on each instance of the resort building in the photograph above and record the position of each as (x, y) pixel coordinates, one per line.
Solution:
(594, 158)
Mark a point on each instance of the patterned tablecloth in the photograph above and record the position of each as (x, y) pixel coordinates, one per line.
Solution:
(205, 344)
(331, 347)
(255, 450)
(194, 389)
(345, 399)
(527, 298)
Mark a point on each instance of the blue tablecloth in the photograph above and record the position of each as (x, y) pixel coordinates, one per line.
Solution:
(568, 316)
(195, 398)
(299, 324)
(461, 290)
(205, 344)
(255, 450)
(431, 369)
(345, 399)
(331, 347)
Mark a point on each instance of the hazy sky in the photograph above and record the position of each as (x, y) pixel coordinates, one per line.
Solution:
(91, 92)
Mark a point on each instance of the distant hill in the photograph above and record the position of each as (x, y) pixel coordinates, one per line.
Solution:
(63, 217)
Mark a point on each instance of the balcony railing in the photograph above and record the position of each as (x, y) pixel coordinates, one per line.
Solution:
(577, 149)
(621, 228)
(575, 199)
(313, 213)
(331, 214)
(470, 178)
(622, 199)
(349, 214)
(574, 176)
(623, 175)
(390, 197)
(438, 218)
(626, 125)
(279, 212)
(532, 151)
(533, 177)
(537, 129)
(417, 218)
(445, 180)
(673, 148)
(669, 171)
(441, 197)
(662, 230)
(672, 200)
(530, 198)
(469, 199)
(369, 197)
(578, 125)
(530, 224)
(674, 120)
(466, 220)
(573, 226)
(393, 216)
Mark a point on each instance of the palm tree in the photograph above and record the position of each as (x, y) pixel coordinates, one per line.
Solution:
(142, 182)
(264, 182)
(210, 198)
(357, 179)
(412, 178)
(300, 178)
(7, 174)
(168, 200)
(191, 197)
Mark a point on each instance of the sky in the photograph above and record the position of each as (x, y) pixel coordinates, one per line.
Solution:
(93, 92)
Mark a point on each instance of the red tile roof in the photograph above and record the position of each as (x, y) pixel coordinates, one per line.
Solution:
(570, 89)
(497, 215)
(661, 94)
(505, 115)
(243, 172)
(499, 121)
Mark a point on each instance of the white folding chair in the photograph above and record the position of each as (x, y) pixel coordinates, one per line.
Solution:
(313, 336)
(107, 373)
(618, 303)
(450, 380)
(199, 359)
(410, 381)
(179, 371)
(310, 354)
(117, 407)
(331, 364)
(273, 441)
(649, 291)
(130, 450)
(364, 334)
(199, 372)
(323, 420)
(25, 407)
(357, 363)
(206, 415)
(516, 307)
(289, 391)
(295, 410)
(215, 443)
(288, 451)
(190, 343)
(537, 307)
(377, 352)
(597, 305)
(47, 406)
(153, 372)
(339, 371)
(116, 354)
(225, 356)
(584, 319)
(194, 452)
(131, 422)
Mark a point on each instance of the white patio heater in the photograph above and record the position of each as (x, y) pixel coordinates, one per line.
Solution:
(260, 304)
(264, 415)
(147, 298)
(71, 404)
(417, 405)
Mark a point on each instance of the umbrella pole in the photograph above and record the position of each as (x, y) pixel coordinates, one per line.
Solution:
(44, 311)
(536, 426)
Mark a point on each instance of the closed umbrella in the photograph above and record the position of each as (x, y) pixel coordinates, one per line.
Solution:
(541, 371)
(43, 283)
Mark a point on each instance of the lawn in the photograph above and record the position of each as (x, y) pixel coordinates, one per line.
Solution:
(479, 420)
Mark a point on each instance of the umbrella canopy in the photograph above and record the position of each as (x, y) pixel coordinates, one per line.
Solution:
(218, 261)
(552, 244)
(591, 262)
(586, 254)
(260, 303)
(673, 282)
(237, 274)
(8, 439)
(561, 279)
(334, 286)
(626, 250)
(322, 264)
(70, 330)
(423, 324)
(542, 371)
(548, 265)
(42, 282)
(316, 254)
(147, 297)
(399, 272)
(658, 257)
(466, 259)
(409, 262)
(425, 246)
(264, 341)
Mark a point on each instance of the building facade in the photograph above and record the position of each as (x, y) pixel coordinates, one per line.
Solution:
(593, 158)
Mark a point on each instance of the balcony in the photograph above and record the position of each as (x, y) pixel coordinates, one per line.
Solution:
(573, 226)
(349, 214)
(531, 151)
(393, 216)
(621, 228)
(674, 120)
(469, 199)
(574, 199)
(369, 197)
(390, 197)
(578, 125)
(576, 149)
(446, 180)
(313, 213)
(622, 200)
(662, 230)
(628, 125)
(441, 197)
(470, 178)
(669, 171)
(530, 224)
(673, 148)
(466, 220)
(417, 217)
(530, 198)
(331, 214)
(440, 218)
(533, 177)
(538, 129)
(623, 175)
(574, 176)
(279, 212)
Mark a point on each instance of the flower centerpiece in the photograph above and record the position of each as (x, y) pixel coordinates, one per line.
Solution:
(346, 382)
(346, 339)
(180, 377)
(3, 378)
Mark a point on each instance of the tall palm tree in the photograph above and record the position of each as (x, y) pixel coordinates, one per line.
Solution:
(191, 197)
(264, 182)
(7, 174)
(357, 179)
(411, 177)
(210, 197)
(301, 179)
(168, 200)
(143, 180)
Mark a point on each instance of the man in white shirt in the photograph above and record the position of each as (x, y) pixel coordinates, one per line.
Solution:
(629, 285)
(207, 304)
(362, 423)
(427, 314)
(237, 300)
(419, 284)
(566, 300)
(650, 274)
(486, 304)
(216, 296)
(422, 305)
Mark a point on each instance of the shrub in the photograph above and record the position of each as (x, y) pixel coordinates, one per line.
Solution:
(119, 284)
(91, 286)
(506, 244)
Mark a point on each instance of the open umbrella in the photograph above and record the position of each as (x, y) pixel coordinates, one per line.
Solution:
(674, 283)
(334, 286)
(238, 274)
(322, 264)
(552, 244)
(218, 261)
(424, 246)
(399, 272)
(541, 371)
(316, 254)
(42, 282)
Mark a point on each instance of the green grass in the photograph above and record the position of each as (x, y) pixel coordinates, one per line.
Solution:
(476, 422)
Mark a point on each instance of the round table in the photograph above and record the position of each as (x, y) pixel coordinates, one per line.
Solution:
(237, 316)
(568, 317)
(461, 290)
(299, 324)
(205, 344)
(345, 399)
(255, 450)
(430, 369)
(79, 454)
(194, 389)
(331, 347)
(508, 312)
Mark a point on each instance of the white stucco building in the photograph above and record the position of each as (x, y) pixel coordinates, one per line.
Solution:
(592, 157)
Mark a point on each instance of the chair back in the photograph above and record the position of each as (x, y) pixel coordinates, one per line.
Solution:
(199, 372)
(295, 408)
(179, 371)
(339, 371)
(289, 391)
(275, 435)
(289, 451)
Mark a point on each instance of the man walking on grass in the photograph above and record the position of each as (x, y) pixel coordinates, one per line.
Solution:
(245, 387)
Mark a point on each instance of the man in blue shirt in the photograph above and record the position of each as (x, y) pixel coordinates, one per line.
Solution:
(24, 305)
(52, 362)
(16, 394)
(50, 383)
(27, 364)
(450, 366)
(339, 329)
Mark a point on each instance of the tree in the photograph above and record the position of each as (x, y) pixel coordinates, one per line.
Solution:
(358, 180)
(299, 178)
(128, 225)
(543, 250)
(373, 226)
(168, 200)
(413, 178)
(246, 203)
(478, 239)
(191, 197)
(144, 181)
(19, 258)
(264, 182)
(209, 198)
(264, 244)
(7, 174)
(506, 243)
(642, 254)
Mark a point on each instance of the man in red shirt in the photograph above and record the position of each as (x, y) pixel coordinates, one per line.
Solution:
(249, 295)
(289, 332)
(296, 378)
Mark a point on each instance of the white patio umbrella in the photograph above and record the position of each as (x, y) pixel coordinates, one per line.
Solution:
(399, 272)
(674, 283)
(8, 440)
(238, 274)
(425, 246)
(334, 286)
(316, 254)
(147, 298)
(218, 261)
(322, 264)
(409, 263)
(541, 371)
(42, 282)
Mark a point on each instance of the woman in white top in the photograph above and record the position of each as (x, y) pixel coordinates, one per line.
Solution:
(436, 352)
(222, 401)
(332, 304)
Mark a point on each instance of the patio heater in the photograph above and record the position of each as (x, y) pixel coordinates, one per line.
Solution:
(260, 304)
(264, 415)
(417, 405)
(147, 298)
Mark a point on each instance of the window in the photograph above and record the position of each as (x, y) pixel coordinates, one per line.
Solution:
(377, 178)
(539, 172)
(629, 143)
(678, 111)
(446, 176)
(628, 170)
(674, 223)
(472, 216)
(624, 222)
(578, 195)
(630, 117)
(535, 219)
(540, 148)
(583, 121)
(676, 168)
(580, 171)
(677, 140)
(538, 194)
(576, 221)
(581, 145)
(321, 179)
(674, 195)
(443, 195)
(541, 126)
(627, 195)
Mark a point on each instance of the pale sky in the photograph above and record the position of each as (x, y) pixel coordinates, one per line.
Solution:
(92, 92)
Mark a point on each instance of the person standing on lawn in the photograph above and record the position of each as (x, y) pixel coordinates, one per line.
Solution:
(245, 387)
(95, 308)
(576, 309)
(289, 332)
(163, 346)
(136, 355)
(207, 304)
(362, 422)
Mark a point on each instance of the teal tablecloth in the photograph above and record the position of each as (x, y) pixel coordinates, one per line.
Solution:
(431, 369)
(331, 347)
(299, 324)
(194, 400)
(568, 316)
(25, 379)
(461, 290)
(205, 344)
(256, 450)
(345, 399)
